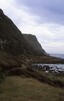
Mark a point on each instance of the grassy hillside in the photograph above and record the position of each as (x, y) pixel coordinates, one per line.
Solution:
(18, 81)
(27, 89)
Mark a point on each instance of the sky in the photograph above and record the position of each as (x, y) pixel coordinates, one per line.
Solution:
(43, 18)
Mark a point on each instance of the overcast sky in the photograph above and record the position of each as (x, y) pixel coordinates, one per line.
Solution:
(43, 18)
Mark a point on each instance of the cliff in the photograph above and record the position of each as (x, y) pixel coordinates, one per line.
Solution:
(11, 38)
(34, 43)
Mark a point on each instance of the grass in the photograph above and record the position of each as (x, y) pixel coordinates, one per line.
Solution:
(52, 76)
(15, 88)
(47, 59)
(30, 87)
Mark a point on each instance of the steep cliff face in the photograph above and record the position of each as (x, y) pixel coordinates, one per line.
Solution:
(11, 39)
(34, 43)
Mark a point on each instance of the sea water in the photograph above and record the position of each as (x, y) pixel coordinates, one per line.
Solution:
(59, 66)
(58, 55)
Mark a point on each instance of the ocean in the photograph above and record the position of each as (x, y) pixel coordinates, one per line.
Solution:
(59, 66)
(58, 55)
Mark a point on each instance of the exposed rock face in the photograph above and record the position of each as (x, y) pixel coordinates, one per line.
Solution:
(34, 43)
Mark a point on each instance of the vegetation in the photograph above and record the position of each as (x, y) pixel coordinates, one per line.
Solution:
(22, 83)
(25, 84)
(47, 59)
(1, 75)
(27, 89)
(26, 71)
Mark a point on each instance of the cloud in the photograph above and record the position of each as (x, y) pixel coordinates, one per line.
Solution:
(38, 18)
(48, 10)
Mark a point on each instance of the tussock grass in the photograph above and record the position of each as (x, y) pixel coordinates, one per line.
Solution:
(27, 89)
